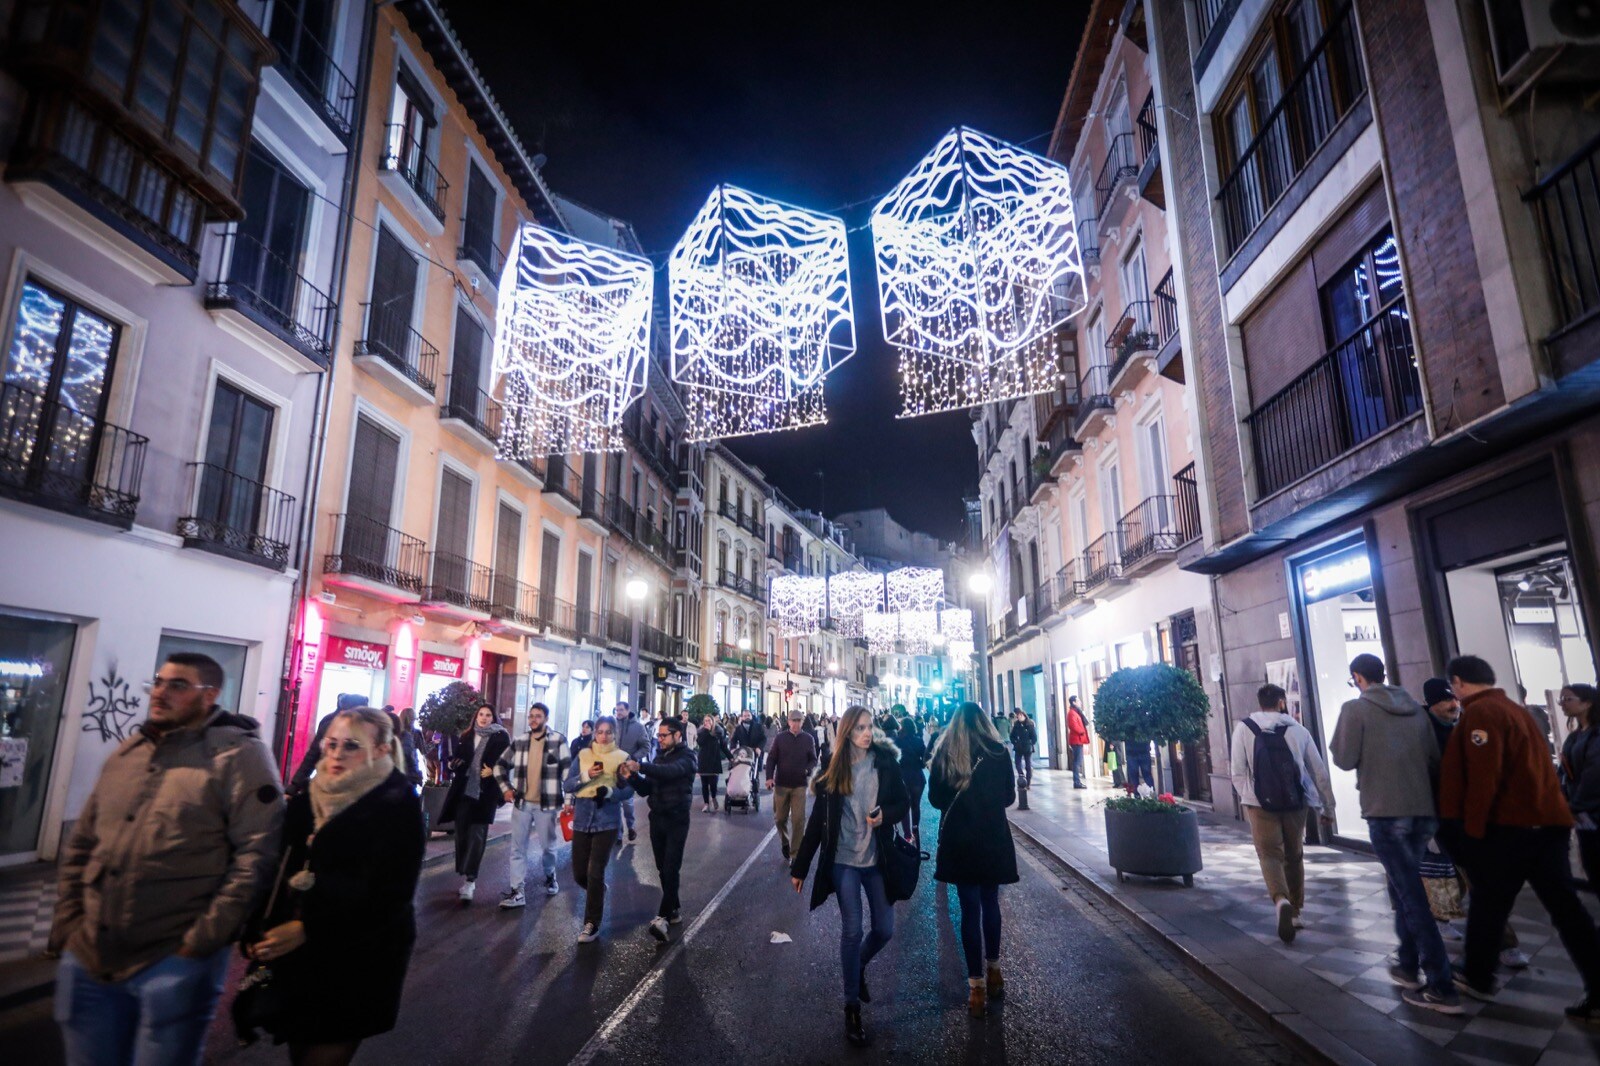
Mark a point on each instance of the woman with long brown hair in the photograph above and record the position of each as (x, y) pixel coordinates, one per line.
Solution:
(972, 782)
(859, 798)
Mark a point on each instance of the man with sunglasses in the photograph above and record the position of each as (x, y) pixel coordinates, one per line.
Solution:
(173, 846)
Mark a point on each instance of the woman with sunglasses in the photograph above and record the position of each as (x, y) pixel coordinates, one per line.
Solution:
(338, 923)
(1580, 775)
(597, 793)
(473, 797)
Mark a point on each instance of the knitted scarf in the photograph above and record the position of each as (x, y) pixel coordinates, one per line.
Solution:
(330, 794)
(609, 756)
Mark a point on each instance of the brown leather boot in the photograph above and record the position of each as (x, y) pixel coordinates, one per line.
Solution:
(977, 1001)
(995, 984)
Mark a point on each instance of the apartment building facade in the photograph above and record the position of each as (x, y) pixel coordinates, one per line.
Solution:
(1386, 278)
(1089, 494)
(171, 220)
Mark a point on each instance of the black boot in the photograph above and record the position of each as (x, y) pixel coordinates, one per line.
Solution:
(866, 997)
(854, 1031)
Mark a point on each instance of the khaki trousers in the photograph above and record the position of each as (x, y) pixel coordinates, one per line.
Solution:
(1279, 837)
(789, 812)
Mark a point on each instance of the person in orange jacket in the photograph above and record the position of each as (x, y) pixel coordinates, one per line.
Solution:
(1509, 826)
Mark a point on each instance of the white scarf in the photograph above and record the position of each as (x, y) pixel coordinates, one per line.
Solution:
(330, 795)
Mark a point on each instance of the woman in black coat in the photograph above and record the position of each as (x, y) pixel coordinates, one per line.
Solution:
(972, 782)
(851, 829)
(339, 922)
(474, 797)
(711, 750)
(913, 757)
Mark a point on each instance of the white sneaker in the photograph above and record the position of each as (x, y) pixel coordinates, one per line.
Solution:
(1286, 924)
(468, 890)
(588, 934)
(658, 929)
(513, 898)
(1515, 958)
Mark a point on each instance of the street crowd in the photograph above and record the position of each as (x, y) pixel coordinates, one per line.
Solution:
(189, 847)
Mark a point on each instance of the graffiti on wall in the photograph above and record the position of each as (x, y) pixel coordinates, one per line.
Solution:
(113, 706)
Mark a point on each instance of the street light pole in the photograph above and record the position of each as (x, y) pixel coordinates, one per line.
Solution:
(833, 688)
(979, 584)
(635, 590)
(744, 674)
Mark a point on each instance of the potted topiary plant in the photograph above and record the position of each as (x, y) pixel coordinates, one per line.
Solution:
(1155, 837)
(444, 716)
(700, 705)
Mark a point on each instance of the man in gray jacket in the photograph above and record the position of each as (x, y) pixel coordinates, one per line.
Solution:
(162, 868)
(1385, 737)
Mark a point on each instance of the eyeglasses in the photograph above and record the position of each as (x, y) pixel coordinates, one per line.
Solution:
(349, 747)
(174, 685)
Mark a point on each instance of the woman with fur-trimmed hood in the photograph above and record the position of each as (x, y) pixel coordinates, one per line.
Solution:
(859, 799)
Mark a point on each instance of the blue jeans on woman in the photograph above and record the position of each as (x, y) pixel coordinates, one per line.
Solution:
(1399, 844)
(854, 952)
(980, 926)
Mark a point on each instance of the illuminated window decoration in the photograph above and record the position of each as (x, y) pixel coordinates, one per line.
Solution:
(852, 596)
(914, 588)
(572, 339)
(978, 268)
(797, 604)
(760, 311)
(929, 632)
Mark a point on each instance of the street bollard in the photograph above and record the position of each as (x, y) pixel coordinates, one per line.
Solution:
(1022, 794)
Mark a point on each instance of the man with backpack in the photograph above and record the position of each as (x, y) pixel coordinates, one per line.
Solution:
(1279, 777)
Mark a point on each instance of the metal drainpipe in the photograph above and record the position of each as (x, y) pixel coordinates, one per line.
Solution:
(283, 731)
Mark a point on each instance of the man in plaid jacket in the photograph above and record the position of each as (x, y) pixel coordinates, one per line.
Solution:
(536, 800)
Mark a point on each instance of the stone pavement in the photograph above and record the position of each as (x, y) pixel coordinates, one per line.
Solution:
(1328, 992)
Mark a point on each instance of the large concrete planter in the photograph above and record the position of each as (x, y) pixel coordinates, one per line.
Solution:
(1154, 845)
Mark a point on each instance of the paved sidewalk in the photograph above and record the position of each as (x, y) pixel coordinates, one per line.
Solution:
(1329, 990)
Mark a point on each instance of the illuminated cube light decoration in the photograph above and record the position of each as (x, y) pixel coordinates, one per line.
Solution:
(760, 311)
(931, 632)
(852, 596)
(914, 588)
(572, 341)
(797, 604)
(978, 268)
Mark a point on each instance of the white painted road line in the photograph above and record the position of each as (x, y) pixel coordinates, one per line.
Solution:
(645, 987)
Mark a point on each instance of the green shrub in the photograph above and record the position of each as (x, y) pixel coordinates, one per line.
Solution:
(700, 705)
(451, 709)
(1156, 702)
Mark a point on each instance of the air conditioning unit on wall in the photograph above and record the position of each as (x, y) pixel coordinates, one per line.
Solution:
(1548, 40)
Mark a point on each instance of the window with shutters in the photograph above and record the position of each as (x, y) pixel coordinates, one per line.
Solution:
(369, 500)
(583, 594)
(412, 143)
(394, 297)
(232, 479)
(466, 397)
(549, 573)
(453, 530)
(478, 223)
(507, 540)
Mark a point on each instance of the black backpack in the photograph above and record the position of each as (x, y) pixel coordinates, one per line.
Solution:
(1276, 774)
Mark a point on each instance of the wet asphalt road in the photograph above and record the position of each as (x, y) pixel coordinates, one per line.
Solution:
(485, 987)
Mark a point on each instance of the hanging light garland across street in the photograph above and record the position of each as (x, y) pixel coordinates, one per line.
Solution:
(978, 268)
(572, 341)
(760, 314)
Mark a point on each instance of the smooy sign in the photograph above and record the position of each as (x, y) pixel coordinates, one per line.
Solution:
(443, 666)
(361, 654)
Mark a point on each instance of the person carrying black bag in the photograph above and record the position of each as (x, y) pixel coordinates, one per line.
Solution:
(972, 782)
(859, 799)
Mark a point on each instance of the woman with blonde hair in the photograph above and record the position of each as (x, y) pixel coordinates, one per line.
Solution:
(338, 926)
(597, 792)
(972, 782)
(861, 796)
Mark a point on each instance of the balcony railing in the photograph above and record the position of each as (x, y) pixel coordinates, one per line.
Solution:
(238, 516)
(1145, 126)
(1089, 240)
(655, 541)
(1328, 85)
(388, 335)
(514, 423)
(56, 457)
(1152, 528)
(1041, 603)
(564, 479)
(513, 601)
(1568, 203)
(658, 643)
(1135, 333)
(1102, 561)
(1094, 392)
(258, 282)
(1121, 163)
(366, 548)
(621, 516)
(1213, 15)
(1359, 389)
(592, 503)
(1186, 487)
(1067, 582)
(466, 402)
(751, 522)
(744, 586)
(408, 157)
(480, 250)
(457, 581)
(730, 653)
(306, 64)
(1166, 310)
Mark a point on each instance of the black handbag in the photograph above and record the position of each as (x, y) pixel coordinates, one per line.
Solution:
(259, 1002)
(902, 866)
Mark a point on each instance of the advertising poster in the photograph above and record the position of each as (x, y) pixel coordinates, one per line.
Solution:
(1285, 673)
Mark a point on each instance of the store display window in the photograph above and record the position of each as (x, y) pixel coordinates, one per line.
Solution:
(35, 655)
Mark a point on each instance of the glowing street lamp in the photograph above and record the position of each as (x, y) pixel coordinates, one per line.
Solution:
(635, 590)
(744, 673)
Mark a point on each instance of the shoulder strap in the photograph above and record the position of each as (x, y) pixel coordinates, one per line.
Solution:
(1250, 724)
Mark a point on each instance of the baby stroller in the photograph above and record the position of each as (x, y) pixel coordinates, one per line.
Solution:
(741, 792)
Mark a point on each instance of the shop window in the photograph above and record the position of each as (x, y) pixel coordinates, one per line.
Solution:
(35, 660)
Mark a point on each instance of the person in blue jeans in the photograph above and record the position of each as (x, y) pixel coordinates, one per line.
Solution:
(158, 875)
(1385, 737)
(1139, 764)
(860, 797)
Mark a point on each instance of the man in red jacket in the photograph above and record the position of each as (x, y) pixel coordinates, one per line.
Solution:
(1077, 740)
(1509, 825)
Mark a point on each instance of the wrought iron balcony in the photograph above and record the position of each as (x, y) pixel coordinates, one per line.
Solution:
(53, 456)
(1134, 335)
(1068, 586)
(239, 517)
(592, 503)
(366, 548)
(658, 643)
(1166, 310)
(1567, 201)
(512, 601)
(466, 403)
(1102, 562)
(1151, 531)
(408, 157)
(388, 335)
(307, 65)
(1186, 487)
(560, 617)
(742, 585)
(1328, 85)
(1361, 388)
(456, 581)
(510, 442)
(1094, 395)
(1089, 240)
(655, 541)
(482, 252)
(1121, 163)
(619, 628)
(268, 290)
(621, 516)
(564, 480)
(731, 653)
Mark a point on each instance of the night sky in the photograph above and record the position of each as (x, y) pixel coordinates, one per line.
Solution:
(641, 114)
